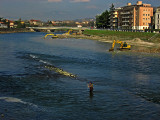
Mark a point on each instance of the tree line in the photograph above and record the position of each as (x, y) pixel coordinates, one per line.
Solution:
(102, 20)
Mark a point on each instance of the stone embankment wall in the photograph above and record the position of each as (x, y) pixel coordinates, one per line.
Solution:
(14, 30)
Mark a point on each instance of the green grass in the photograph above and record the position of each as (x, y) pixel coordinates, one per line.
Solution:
(120, 35)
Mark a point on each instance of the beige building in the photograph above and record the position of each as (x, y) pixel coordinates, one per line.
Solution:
(157, 18)
(36, 22)
(137, 17)
(114, 18)
(11, 24)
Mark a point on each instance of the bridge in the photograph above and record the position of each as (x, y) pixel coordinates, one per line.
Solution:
(51, 29)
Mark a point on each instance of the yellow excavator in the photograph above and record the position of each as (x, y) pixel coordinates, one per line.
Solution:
(124, 45)
(69, 31)
(53, 35)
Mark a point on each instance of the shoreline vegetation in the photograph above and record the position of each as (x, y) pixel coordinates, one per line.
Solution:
(140, 41)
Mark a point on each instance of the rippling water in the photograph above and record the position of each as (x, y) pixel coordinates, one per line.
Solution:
(126, 85)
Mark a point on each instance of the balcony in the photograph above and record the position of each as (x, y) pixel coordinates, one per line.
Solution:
(125, 17)
(125, 13)
(115, 17)
(125, 25)
(115, 13)
(114, 21)
(126, 21)
(114, 25)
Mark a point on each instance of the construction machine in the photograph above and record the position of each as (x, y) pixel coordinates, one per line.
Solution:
(69, 32)
(53, 35)
(123, 45)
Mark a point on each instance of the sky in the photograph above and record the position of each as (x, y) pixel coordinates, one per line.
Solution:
(60, 9)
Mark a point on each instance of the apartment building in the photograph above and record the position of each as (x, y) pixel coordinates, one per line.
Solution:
(135, 17)
(114, 18)
(157, 18)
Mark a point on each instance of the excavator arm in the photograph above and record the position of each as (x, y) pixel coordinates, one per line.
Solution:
(113, 44)
(54, 36)
(68, 33)
(123, 45)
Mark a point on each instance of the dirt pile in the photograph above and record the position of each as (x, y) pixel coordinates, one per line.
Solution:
(139, 42)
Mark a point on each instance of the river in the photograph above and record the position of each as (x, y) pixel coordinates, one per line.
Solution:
(126, 85)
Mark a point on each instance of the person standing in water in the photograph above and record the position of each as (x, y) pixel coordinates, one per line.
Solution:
(90, 85)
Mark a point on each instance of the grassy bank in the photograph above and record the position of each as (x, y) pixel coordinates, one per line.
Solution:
(119, 35)
(140, 41)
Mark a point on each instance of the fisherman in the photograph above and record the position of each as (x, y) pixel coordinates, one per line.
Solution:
(90, 85)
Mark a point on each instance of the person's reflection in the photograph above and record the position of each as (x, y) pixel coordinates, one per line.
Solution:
(91, 94)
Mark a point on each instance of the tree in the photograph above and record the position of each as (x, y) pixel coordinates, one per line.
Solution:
(19, 24)
(111, 8)
(1, 18)
(91, 24)
(102, 21)
(49, 23)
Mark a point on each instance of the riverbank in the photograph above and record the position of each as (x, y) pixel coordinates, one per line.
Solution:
(140, 42)
(14, 30)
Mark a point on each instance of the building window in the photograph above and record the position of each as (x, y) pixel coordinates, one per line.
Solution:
(143, 14)
(148, 14)
(158, 16)
(146, 18)
(143, 18)
(143, 23)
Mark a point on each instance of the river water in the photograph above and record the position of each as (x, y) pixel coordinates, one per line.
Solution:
(126, 85)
